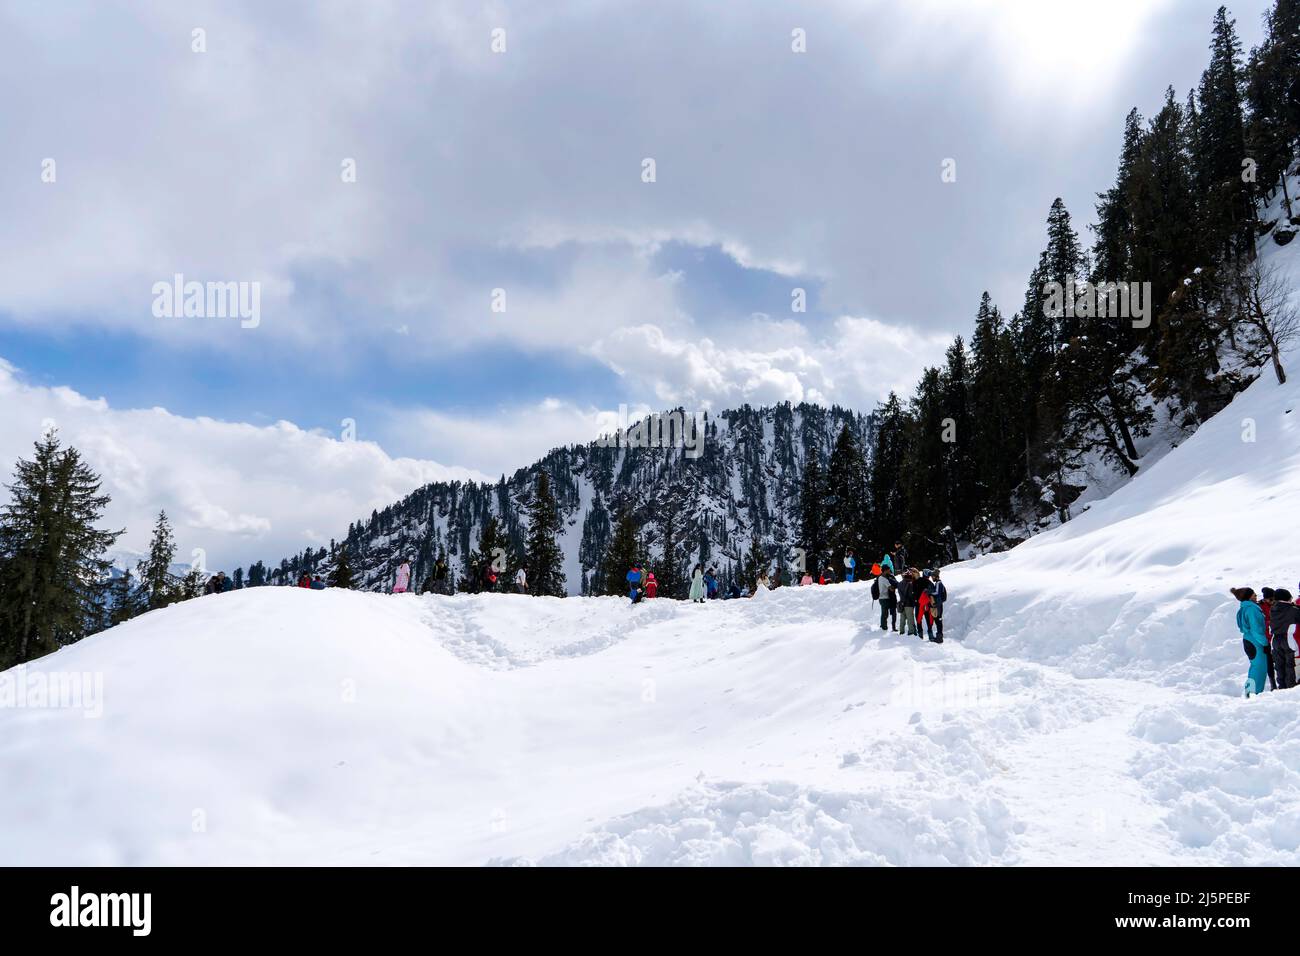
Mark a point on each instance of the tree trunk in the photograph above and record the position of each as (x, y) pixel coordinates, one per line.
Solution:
(1121, 423)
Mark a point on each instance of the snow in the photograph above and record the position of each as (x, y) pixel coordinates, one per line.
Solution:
(1084, 711)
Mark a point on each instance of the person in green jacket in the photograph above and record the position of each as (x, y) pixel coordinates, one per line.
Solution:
(1254, 638)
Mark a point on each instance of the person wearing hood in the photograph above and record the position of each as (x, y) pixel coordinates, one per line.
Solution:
(1250, 622)
(634, 584)
(697, 585)
(651, 585)
(1285, 618)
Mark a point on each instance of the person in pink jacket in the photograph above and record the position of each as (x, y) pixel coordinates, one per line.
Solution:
(403, 579)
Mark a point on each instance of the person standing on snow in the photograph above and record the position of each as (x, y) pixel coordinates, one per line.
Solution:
(634, 584)
(651, 585)
(887, 592)
(403, 580)
(887, 563)
(1285, 616)
(938, 596)
(711, 584)
(899, 558)
(1266, 605)
(850, 567)
(697, 585)
(907, 597)
(521, 581)
(1250, 621)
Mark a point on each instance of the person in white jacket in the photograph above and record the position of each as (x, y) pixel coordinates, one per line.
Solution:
(521, 581)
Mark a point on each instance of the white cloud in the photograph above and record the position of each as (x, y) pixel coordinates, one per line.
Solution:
(238, 491)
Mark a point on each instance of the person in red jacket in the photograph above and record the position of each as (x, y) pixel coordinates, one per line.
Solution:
(305, 580)
(651, 586)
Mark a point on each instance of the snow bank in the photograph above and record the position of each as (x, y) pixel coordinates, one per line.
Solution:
(1137, 585)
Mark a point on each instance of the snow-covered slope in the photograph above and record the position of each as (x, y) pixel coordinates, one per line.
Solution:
(278, 725)
(1084, 711)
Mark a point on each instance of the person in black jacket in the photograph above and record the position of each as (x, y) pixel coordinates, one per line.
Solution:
(938, 597)
(907, 595)
(886, 588)
(1284, 618)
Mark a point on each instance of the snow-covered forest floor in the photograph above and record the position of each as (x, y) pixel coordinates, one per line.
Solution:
(1085, 710)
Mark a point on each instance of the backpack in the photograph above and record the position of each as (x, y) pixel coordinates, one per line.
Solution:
(875, 589)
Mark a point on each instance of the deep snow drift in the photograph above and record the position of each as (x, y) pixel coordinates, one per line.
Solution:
(1084, 711)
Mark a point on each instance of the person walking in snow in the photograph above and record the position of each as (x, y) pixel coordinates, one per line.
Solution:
(1285, 617)
(1250, 621)
(403, 580)
(521, 581)
(697, 585)
(850, 567)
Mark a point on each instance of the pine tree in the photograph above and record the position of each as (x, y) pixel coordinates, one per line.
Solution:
(813, 520)
(123, 602)
(889, 515)
(155, 571)
(845, 493)
(1220, 145)
(341, 575)
(669, 574)
(621, 556)
(995, 421)
(544, 561)
(52, 571)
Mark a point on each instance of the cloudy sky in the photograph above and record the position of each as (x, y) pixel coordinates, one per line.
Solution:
(386, 177)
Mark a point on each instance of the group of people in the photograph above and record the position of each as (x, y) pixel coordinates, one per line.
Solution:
(910, 600)
(1270, 624)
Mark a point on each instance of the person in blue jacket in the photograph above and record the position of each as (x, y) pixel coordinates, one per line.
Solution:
(634, 584)
(888, 562)
(1250, 621)
(711, 584)
(850, 566)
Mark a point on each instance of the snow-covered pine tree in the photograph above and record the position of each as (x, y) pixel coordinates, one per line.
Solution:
(52, 569)
(543, 559)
